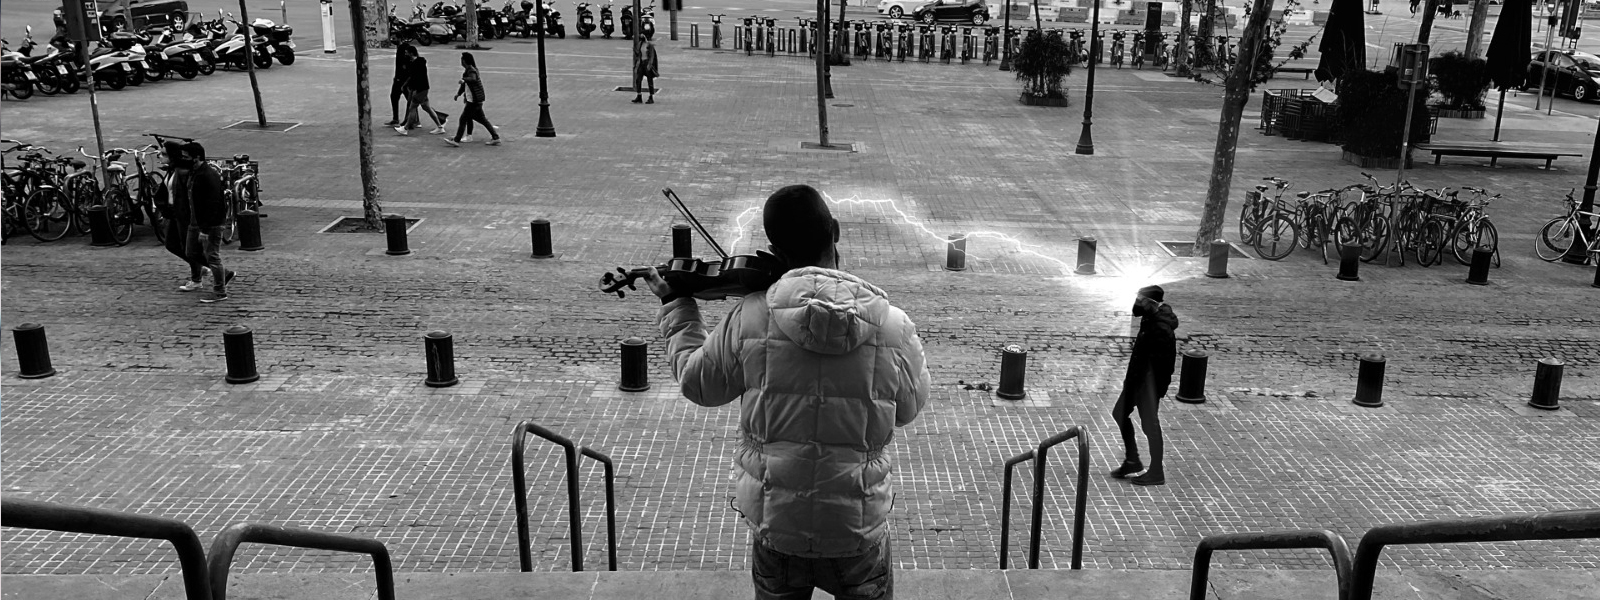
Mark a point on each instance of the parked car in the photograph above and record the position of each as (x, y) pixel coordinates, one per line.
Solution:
(897, 9)
(966, 11)
(1569, 72)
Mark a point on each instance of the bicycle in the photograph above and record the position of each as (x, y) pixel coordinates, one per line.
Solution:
(772, 36)
(1474, 230)
(904, 30)
(749, 35)
(149, 191)
(1262, 223)
(116, 198)
(32, 202)
(925, 33)
(991, 44)
(1315, 217)
(1117, 50)
(716, 31)
(1563, 233)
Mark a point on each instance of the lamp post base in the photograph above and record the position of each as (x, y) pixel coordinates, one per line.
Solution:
(546, 128)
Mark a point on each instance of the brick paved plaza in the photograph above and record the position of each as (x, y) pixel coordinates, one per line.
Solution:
(340, 434)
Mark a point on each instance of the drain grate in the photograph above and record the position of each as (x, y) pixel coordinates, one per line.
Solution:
(1181, 250)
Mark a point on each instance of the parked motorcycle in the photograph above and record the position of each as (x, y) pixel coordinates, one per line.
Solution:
(438, 21)
(554, 27)
(280, 40)
(402, 30)
(607, 25)
(16, 77)
(585, 20)
(490, 24)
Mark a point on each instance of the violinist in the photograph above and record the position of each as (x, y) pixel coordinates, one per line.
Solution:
(827, 369)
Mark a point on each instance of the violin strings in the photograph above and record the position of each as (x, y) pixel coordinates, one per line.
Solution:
(693, 222)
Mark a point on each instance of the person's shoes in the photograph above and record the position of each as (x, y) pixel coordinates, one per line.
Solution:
(215, 298)
(1151, 477)
(189, 286)
(391, 123)
(452, 143)
(652, 100)
(493, 142)
(437, 130)
(467, 139)
(638, 99)
(401, 130)
(229, 278)
(1128, 467)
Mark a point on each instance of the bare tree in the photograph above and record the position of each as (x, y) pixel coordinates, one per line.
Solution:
(1239, 86)
(370, 209)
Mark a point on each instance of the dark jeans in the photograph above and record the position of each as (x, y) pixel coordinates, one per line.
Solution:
(178, 244)
(779, 576)
(473, 111)
(1148, 405)
(396, 92)
(205, 247)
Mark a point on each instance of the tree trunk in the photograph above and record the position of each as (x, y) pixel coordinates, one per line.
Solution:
(1238, 94)
(376, 20)
(369, 169)
(250, 65)
(1183, 39)
(1480, 13)
(472, 24)
(841, 46)
(1202, 37)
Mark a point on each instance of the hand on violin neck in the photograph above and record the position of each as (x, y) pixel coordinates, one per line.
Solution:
(657, 284)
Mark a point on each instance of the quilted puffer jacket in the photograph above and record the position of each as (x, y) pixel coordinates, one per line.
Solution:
(827, 369)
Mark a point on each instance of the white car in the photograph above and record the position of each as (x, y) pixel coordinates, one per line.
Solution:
(898, 9)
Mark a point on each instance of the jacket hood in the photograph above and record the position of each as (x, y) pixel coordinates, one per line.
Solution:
(1164, 316)
(826, 311)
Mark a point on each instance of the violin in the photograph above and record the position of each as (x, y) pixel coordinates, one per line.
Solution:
(704, 279)
(718, 279)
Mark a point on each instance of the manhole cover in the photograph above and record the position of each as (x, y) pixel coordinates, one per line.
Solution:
(272, 126)
(359, 225)
(844, 105)
(1181, 250)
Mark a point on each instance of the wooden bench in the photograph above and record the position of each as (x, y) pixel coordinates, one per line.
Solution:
(1307, 71)
(1493, 152)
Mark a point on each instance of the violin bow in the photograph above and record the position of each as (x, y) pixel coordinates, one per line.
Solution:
(693, 222)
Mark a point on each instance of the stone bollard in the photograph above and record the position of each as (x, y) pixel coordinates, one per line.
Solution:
(249, 231)
(100, 227)
(955, 252)
(1086, 246)
(439, 346)
(238, 343)
(33, 351)
(1218, 269)
(1349, 263)
(1547, 384)
(1013, 369)
(540, 230)
(394, 227)
(1596, 276)
(635, 365)
(1478, 274)
(682, 245)
(1192, 382)
(1369, 381)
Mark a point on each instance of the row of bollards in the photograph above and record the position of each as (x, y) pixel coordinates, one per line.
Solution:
(955, 257)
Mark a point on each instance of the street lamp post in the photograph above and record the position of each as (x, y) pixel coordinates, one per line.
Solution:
(1577, 253)
(546, 128)
(1005, 40)
(1086, 139)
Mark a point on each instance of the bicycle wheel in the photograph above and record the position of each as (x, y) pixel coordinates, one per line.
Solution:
(1554, 239)
(1430, 243)
(247, 195)
(119, 212)
(1374, 235)
(1467, 239)
(1276, 237)
(1308, 227)
(46, 214)
(82, 194)
(151, 195)
(1248, 221)
(230, 225)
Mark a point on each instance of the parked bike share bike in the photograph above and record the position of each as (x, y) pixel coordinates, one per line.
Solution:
(716, 30)
(1563, 233)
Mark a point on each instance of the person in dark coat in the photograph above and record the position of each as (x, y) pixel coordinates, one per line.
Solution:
(645, 67)
(1149, 375)
(208, 216)
(397, 89)
(175, 207)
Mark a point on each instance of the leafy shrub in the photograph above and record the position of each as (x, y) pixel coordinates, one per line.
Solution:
(1372, 113)
(1460, 79)
(1041, 62)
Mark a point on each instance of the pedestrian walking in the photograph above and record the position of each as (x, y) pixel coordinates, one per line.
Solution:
(472, 86)
(208, 214)
(416, 90)
(826, 369)
(644, 67)
(397, 89)
(1148, 377)
(175, 207)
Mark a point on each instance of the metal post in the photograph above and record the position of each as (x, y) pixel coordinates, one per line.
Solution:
(329, 46)
(682, 245)
(394, 228)
(546, 127)
(238, 346)
(1086, 138)
(955, 255)
(94, 106)
(1013, 370)
(1218, 267)
(821, 44)
(439, 348)
(1086, 249)
(250, 63)
(539, 229)
(1349, 263)
(1005, 40)
(249, 231)
(1369, 381)
(1478, 274)
(1544, 75)
(635, 365)
(100, 227)
(1192, 381)
(1576, 253)
(33, 351)
(1547, 384)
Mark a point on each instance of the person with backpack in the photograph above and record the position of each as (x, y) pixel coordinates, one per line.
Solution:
(472, 86)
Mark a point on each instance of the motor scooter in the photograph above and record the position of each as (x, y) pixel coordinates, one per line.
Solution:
(585, 20)
(607, 25)
(16, 76)
(438, 20)
(280, 40)
(627, 21)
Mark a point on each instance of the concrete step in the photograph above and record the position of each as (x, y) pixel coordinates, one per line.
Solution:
(925, 584)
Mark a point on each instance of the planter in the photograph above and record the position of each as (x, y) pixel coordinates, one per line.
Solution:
(1368, 162)
(1032, 100)
(1452, 113)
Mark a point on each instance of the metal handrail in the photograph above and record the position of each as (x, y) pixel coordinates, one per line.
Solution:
(611, 506)
(33, 514)
(1039, 457)
(1559, 525)
(228, 541)
(1270, 540)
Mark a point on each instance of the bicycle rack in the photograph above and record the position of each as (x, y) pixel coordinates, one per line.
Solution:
(1559, 525)
(1039, 457)
(32, 514)
(228, 541)
(1270, 540)
(520, 495)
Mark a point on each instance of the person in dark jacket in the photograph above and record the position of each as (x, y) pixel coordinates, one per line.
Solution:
(826, 370)
(645, 67)
(417, 96)
(175, 207)
(397, 89)
(472, 87)
(1149, 375)
(208, 215)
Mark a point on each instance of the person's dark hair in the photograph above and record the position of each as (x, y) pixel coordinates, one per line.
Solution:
(171, 147)
(1153, 292)
(468, 61)
(195, 150)
(799, 224)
